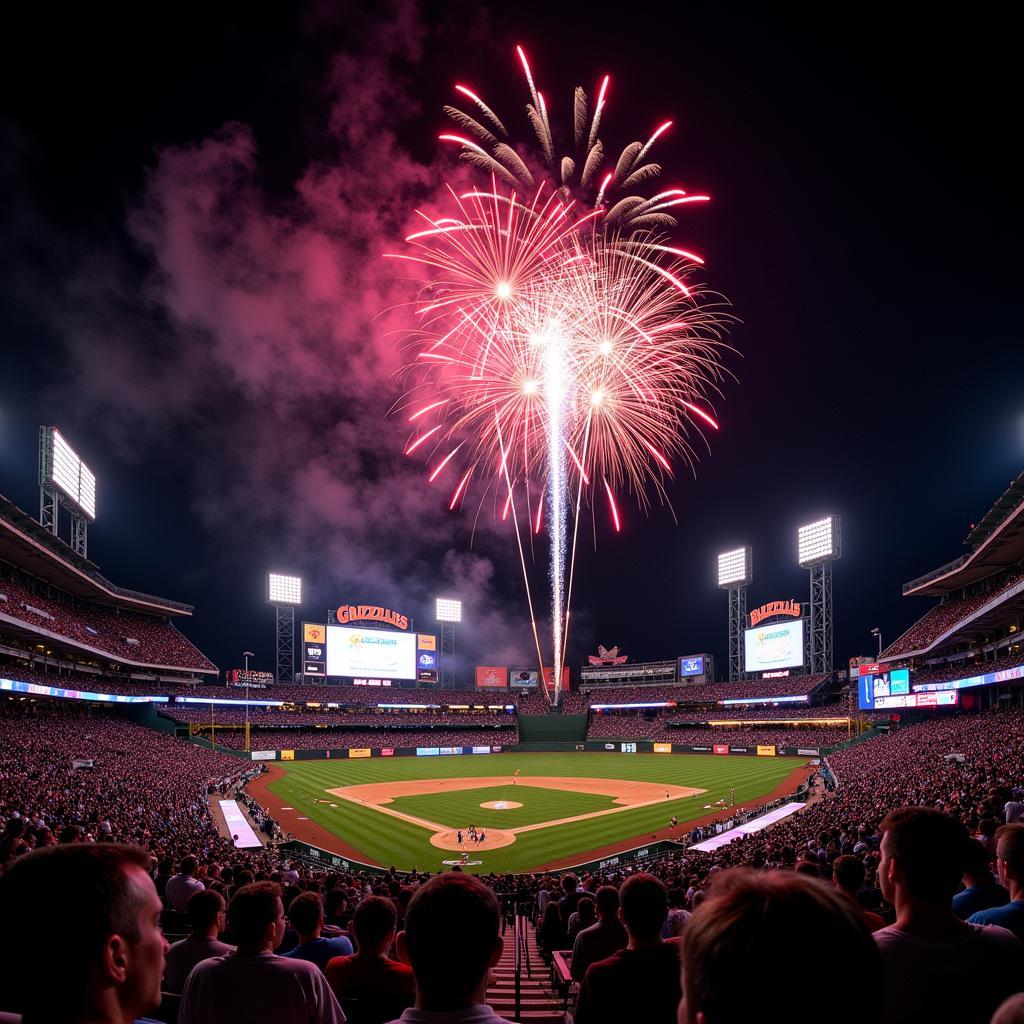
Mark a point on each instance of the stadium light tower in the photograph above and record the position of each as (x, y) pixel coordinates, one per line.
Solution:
(447, 612)
(64, 479)
(735, 574)
(818, 546)
(284, 593)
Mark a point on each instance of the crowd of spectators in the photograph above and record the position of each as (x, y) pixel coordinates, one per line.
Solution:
(337, 739)
(124, 635)
(236, 714)
(946, 616)
(701, 693)
(964, 669)
(822, 872)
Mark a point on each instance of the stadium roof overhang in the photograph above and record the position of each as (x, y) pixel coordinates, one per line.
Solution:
(33, 549)
(37, 635)
(988, 620)
(998, 542)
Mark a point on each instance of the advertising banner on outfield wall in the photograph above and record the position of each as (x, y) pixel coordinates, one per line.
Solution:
(427, 751)
(287, 755)
(808, 751)
(263, 755)
(387, 752)
(629, 748)
(360, 752)
(721, 748)
(663, 748)
(765, 751)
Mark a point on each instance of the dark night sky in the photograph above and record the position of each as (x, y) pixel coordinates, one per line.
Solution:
(865, 227)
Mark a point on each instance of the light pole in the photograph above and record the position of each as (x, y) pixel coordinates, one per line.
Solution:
(876, 632)
(447, 612)
(247, 655)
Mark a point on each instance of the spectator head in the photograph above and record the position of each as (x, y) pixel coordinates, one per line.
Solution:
(762, 920)
(585, 908)
(848, 874)
(306, 914)
(923, 856)
(114, 965)
(643, 907)
(205, 911)
(607, 900)
(569, 883)
(256, 916)
(374, 925)
(189, 865)
(451, 940)
(977, 869)
(1010, 858)
(1011, 1011)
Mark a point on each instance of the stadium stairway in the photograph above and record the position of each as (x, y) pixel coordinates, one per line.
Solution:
(538, 1003)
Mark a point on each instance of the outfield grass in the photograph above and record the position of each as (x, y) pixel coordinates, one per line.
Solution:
(462, 808)
(390, 840)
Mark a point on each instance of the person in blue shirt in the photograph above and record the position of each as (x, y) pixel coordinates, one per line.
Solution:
(982, 890)
(306, 915)
(1010, 865)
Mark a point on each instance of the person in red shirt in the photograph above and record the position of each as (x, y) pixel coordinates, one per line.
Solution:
(371, 987)
(848, 878)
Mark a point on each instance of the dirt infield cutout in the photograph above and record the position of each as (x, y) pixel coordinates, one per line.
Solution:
(628, 794)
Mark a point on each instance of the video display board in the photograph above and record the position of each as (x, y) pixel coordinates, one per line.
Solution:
(524, 679)
(370, 652)
(873, 690)
(778, 645)
(691, 666)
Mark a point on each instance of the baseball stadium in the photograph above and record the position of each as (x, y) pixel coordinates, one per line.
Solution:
(530, 518)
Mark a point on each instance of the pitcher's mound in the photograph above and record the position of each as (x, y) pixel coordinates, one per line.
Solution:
(501, 805)
(449, 840)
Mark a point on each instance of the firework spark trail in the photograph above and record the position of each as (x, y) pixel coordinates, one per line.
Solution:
(558, 326)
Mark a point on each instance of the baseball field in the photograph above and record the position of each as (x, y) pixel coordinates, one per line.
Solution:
(533, 810)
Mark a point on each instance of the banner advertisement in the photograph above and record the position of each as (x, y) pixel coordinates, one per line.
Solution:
(313, 668)
(663, 748)
(765, 751)
(314, 633)
(449, 750)
(426, 642)
(495, 750)
(360, 752)
(427, 751)
(481, 750)
(287, 755)
(702, 750)
(426, 677)
(739, 750)
(524, 679)
(549, 677)
(263, 755)
(387, 752)
(721, 748)
(426, 659)
(609, 746)
(346, 613)
(629, 748)
(491, 677)
(808, 751)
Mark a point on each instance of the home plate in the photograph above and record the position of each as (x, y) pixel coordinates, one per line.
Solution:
(501, 805)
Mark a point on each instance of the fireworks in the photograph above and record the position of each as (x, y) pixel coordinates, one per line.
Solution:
(563, 353)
